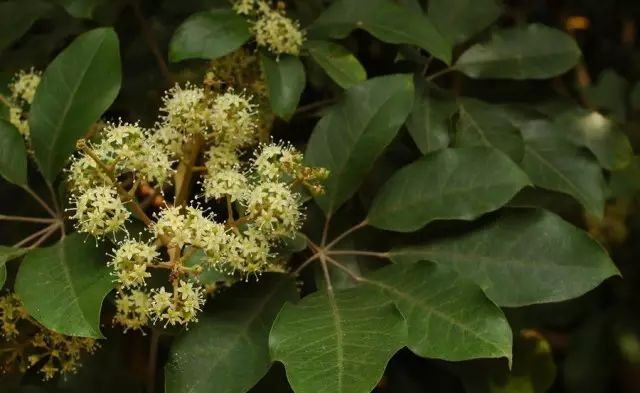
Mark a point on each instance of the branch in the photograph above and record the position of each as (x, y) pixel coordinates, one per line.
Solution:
(28, 219)
(42, 203)
(384, 255)
(346, 233)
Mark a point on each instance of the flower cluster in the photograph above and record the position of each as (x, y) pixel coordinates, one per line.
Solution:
(272, 28)
(36, 347)
(23, 89)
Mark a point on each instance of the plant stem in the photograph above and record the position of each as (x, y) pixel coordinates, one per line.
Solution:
(346, 233)
(384, 255)
(314, 105)
(325, 231)
(305, 263)
(350, 272)
(185, 172)
(28, 219)
(42, 203)
(34, 235)
(327, 277)
(44, 237)
(440, 73)
(153, 359)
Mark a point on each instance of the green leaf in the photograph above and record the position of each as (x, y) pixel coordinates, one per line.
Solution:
(3, 275)
(531, 52)
(337, 342)
(17, 17)
(448, 317)
(461, 183)
(430, 119)
(482, 124)
(626, 181)
(385, 20)
(7, 254)
(603, 137)
(228, 349)
(210, 275)
(80, 8)
(609, 95)
(340, 64)
(556, 164)
(76, 88)
(527, 256)
(459, 20)
(209, 35)
(63, 286)
(285, 82)
(13, 155)
(353, 134)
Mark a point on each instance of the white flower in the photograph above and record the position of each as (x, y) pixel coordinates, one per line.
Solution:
(130, 262)
(274, 209)
(225, 182)
(99, 211)
(24, 86)
(185, 109)
(233, 119)
(278, 33)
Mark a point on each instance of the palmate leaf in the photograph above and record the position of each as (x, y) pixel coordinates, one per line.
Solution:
(7, 254)
(527, 256)
(461, 183)
(337, 342)
(63, 286)
(13, 155)
(227, 350)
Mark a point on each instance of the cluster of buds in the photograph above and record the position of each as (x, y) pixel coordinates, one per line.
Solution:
(203, 151)
(23, 89)
(272, 28)
(28, 345)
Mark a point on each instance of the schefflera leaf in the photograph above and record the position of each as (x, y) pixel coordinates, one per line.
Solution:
(353, 134)
(461, 183)
(530, 52)
(63, 286)
(430, 118)
(227, 351)
(286, 80)
(448, 316)
(7, 254)
(527, 256)
(340, 64)
(13, 155)
(75, 90)
(337, 342)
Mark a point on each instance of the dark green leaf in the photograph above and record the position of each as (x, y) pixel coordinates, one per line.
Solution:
(210, 275)
(385, 20)
(7, 254)
(228, 349)
(63, 286)
(526, 257)
(337, 342)
(208, 35)
(351, 136)
(80, 8)
(609, 95)
(625, 181)
(430, 119)
(13, 155)
(482, 124)
(16, 17)
(340, 64)
(461, 183)
(76, 88)
(285, 82)
(3, 275)
(635, 97)
(459, 20)
(556, 164)
(531, 52)
(448, 317)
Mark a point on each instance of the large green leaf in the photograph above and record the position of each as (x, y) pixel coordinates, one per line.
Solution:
(602, 136)
(228, 349)
(80, 8)
(531, 52)
(208, 35)
(13, 155)
(16, 17)
(63, 286)
(351, 136)
(337, 342)
(340, 64)
(76, 88)
(461, 183)
(554, 163)
(7, 254)
(448, 317)
(285, 82)
(526, 257)
(482, 124)
(459, 20)
(385, 20)
(430, 119)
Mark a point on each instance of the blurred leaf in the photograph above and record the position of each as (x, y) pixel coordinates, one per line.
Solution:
(353, 134)
(461, 183)
(385, 20)
(430, 119)
(228, 349)
(337, 342)
(285, 83)
(609, 94)
(625, 181)
(340, 64)
(635, 97)
(459, 20)
(13, 155)
(209, 35)
(63, 286)
(3, 275)
(16, 18)
(76, 88)
(448, 317)
(531, 52)
(555, 164)
(482, 124)
(80, 8)
(527, 256)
